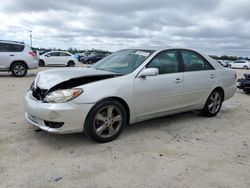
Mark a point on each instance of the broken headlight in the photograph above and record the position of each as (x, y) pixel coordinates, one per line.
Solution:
(61, 96)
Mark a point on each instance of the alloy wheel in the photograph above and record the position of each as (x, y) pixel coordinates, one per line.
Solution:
(108, 121)
(214, 102)
(19, 70)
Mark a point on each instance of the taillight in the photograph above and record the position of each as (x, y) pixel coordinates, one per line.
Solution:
(33, 54)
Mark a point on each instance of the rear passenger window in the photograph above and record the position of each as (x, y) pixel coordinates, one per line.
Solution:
(166, 62)
(54, 54)
(64, 54)
(194, 62)
(17, 48)
(5, 47)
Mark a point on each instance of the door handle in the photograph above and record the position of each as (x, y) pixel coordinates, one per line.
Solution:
(11, 55)
(178, 80)
(212, 76)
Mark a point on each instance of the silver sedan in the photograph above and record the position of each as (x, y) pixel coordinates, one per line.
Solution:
(126, 87)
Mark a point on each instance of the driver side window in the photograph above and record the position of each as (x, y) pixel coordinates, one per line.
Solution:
(166, 62)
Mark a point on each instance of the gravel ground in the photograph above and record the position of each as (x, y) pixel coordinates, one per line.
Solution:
(184, 150)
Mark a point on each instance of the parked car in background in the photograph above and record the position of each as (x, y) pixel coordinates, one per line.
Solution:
(224, 63)
(92, 58)
(241, 64)
(86, 54)
(17, 57)
(127, 86)
(57, 58)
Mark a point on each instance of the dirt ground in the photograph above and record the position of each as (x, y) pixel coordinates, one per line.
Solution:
(184, 150)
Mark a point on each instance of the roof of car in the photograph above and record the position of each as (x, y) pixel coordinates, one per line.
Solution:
(58, 51)
(11, 42)
(154, 49)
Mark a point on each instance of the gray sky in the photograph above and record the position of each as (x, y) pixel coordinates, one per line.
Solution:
(212, 26)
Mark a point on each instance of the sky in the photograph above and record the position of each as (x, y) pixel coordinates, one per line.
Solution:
(215, 27)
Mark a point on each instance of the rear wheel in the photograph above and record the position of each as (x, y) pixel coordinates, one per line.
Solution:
(245, 67)
(105, 121)
(71, 64)
(19, 69)
(213, 104)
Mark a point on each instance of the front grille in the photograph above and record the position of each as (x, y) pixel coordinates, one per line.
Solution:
(38, 93)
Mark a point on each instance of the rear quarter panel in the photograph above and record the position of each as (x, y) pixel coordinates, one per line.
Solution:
(227, 80)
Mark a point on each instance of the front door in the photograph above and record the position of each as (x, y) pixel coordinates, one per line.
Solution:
(157, 95)
(52, 58)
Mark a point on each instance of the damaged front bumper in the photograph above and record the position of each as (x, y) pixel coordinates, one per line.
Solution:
(60, 118)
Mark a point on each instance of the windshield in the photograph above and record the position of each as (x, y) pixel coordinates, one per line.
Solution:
(123, 61)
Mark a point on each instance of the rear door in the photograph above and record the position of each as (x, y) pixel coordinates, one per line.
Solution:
(199, 78)
(157, 95)
(64, 58)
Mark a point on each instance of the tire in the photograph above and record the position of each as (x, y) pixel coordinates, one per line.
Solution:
(41, 63)
(71, 64)
(213, 104)
(106, 121)
(245, 67)
(18, 69)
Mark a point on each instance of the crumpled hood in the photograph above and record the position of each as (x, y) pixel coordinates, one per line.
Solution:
(49, 78)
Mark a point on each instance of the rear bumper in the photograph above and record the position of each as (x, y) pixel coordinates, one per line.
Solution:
(72, 115)
(229, 92)
(33, 64)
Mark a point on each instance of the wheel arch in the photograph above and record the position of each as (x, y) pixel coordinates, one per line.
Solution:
(18, 61)
(71, 61)
(221, 90)
(121, 101)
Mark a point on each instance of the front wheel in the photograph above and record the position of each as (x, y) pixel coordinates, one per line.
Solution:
(213, 104)
(18, 69)
(105, 121)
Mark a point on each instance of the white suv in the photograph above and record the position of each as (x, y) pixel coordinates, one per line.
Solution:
(17, 57)
(57, 58)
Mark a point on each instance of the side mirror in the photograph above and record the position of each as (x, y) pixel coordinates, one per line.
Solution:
(48, 55)
(148, 72)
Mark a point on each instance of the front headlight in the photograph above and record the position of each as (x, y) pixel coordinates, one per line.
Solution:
(61, 96)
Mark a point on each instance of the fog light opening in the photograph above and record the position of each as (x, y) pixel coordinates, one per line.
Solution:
(53, 125)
